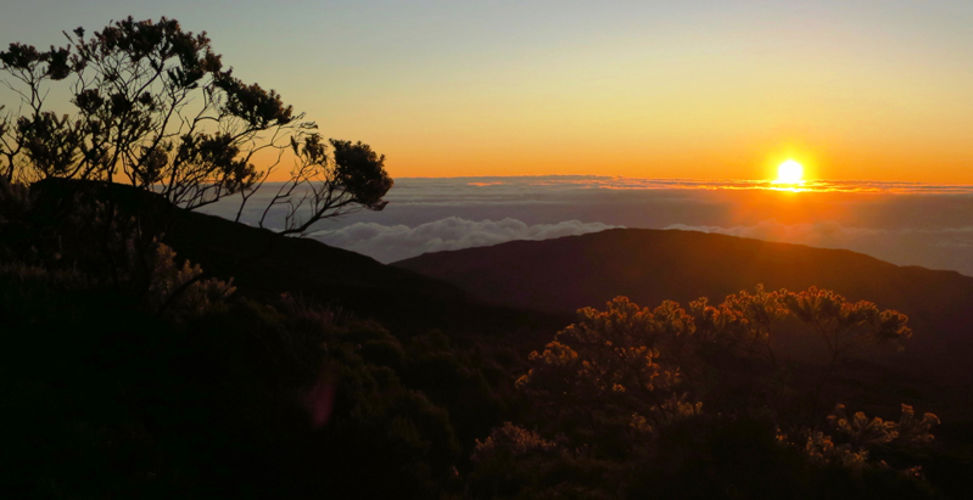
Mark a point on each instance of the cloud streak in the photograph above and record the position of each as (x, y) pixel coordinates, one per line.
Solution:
(498, 185)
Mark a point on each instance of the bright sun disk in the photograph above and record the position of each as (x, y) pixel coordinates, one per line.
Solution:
(790, 172)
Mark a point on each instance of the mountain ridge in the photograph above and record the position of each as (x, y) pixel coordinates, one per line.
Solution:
(264, 264)
(648, 266)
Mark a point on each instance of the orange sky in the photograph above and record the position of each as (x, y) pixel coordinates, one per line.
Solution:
(853, 93)
(698, 89)
(641, 114)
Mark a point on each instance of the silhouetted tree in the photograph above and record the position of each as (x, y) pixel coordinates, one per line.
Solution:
(152, 105)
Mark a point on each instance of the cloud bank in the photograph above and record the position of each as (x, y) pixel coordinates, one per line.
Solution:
(397, 242)
(903, 223)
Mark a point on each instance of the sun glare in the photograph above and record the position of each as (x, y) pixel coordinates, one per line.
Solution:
(790, 172)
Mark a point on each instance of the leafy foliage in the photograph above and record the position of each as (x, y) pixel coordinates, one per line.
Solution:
(244, 393)
(857, 439)
(614, 389)
(178, 290)
(612, 362)
(154, 106)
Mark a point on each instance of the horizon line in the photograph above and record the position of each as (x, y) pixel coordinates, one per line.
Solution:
(659, 183)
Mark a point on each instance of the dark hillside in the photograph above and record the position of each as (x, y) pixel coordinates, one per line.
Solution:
(264, 265)
(648, 266)
(364, 380)
(272, 390)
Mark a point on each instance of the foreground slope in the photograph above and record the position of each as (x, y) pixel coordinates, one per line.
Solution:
(364, 381)
(264, 264)
(648, 266)
(253, 394)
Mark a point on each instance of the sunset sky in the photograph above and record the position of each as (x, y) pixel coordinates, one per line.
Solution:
(701, 90)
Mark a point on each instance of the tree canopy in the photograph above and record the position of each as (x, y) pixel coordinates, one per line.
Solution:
(151, 105)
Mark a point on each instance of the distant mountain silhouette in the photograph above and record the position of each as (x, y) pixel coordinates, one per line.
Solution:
(263, 263)
(563, 274)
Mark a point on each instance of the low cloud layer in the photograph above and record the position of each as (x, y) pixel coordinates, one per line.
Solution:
(397, 242)
(903, 223)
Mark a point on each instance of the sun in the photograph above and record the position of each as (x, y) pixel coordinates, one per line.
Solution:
(790, 172)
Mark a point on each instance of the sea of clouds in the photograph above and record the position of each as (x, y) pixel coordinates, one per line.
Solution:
(391, 243)
(903, 223)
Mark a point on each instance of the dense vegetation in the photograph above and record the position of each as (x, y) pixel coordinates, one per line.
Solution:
(130, 371)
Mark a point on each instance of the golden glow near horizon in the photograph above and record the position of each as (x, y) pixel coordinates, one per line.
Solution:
(687, 90)
(790, 172)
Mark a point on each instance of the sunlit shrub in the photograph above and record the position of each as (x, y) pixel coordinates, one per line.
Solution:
(511, 440)
(179, 290)
(859, 430)
(617, 361)
(857, 441)
(612, 385)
